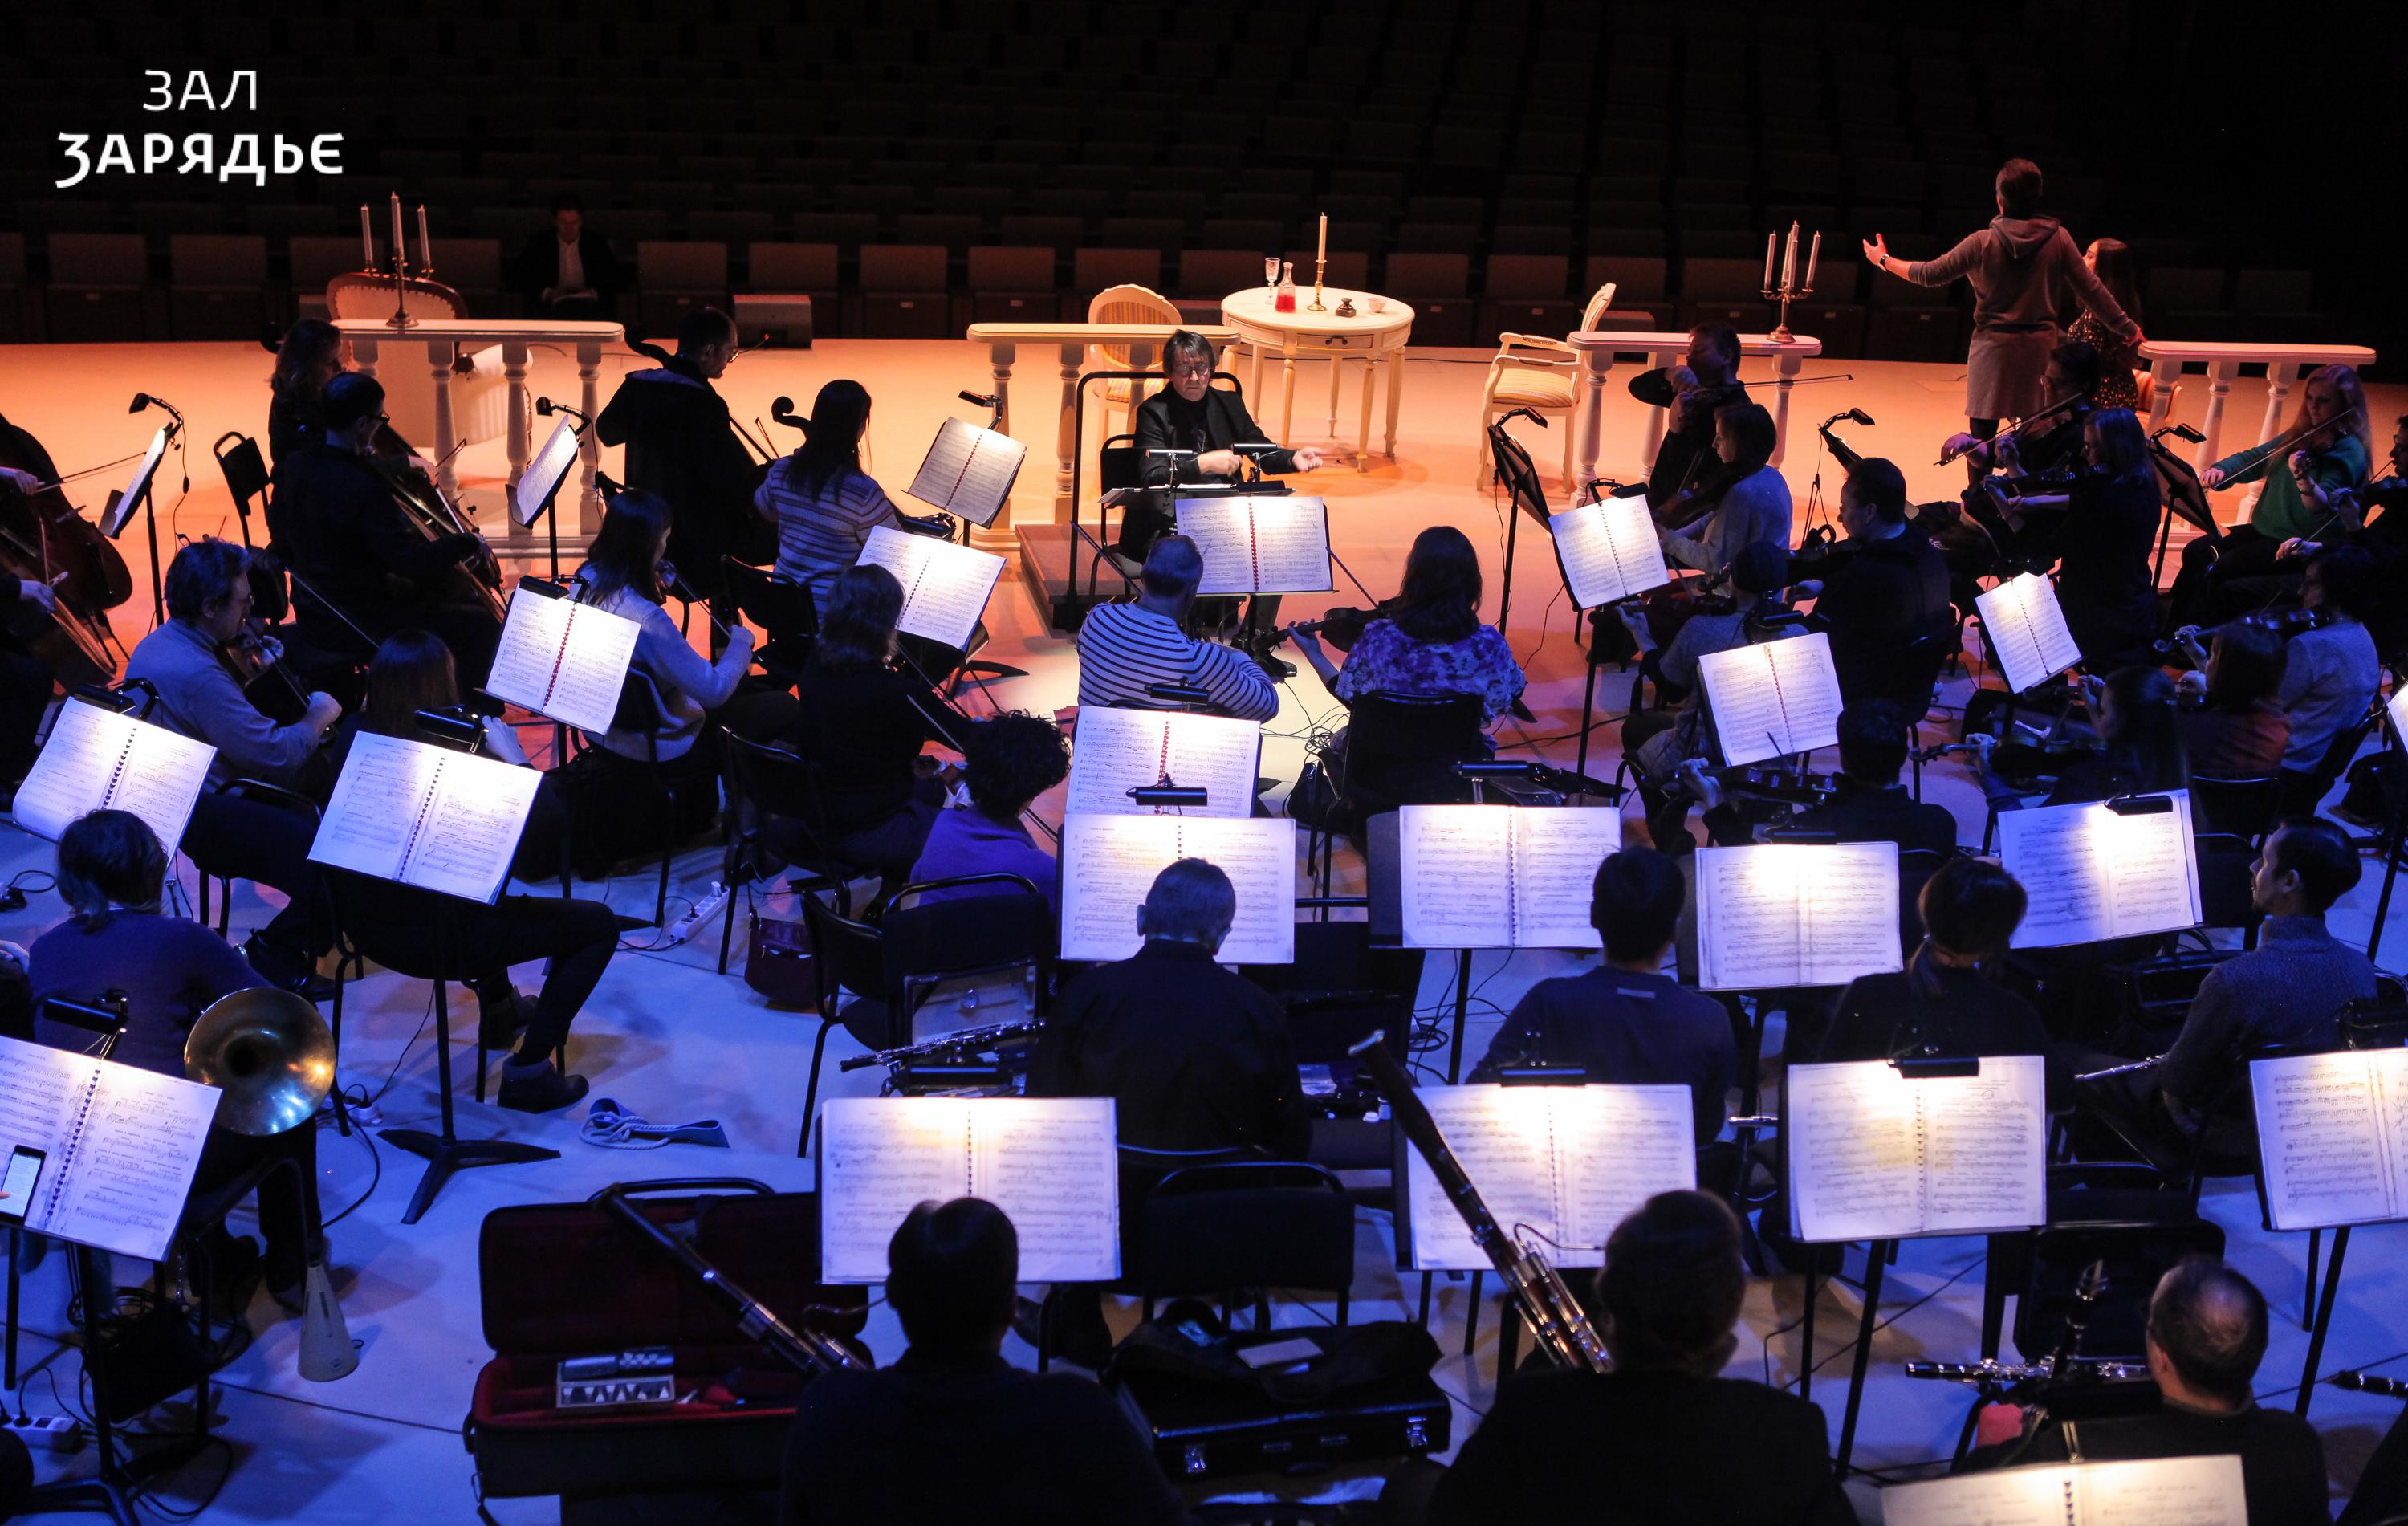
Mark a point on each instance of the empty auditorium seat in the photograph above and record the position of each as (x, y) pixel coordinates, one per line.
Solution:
(1010, 284)
(673, 276)
(1921, 332)
(1439, 288)
(1523, 294)
(903, 293)
(1639, 285)
(99, 288)
(12, 289)
(473, 268)
(1093, 269)
(217, 285)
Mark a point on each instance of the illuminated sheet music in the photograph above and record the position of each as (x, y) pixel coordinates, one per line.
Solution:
(2161, 1491)
(1051, 1164)
(1119, 750)
(1568, 1162)
(945, 586)
(1874, 1155)
(1259, 545)
(1109, 862)
(968, 471)
(544, 474)
(1502, 876)
(2026, 629)
(1796, 914)
(1608, 551)
(122, 1144)
(97, 759)
(2332, 1136)
(426, 816)
(2093, 873)
(1773, 697)
(563, 659)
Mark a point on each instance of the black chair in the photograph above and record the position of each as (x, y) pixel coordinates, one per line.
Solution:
(894, 964)
(640, 712)
(2303, 791)
(1219, 1228)
(2242, 808)
(1401, 749)
(266, 794)
(766, 783)
(2225, 898)
(246, 476)
(785, 611)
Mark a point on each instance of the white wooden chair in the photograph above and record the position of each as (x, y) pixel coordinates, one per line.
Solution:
(1541, 374)
(1129, 304)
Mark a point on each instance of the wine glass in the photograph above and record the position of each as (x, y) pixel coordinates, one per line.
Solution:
(1270, 272)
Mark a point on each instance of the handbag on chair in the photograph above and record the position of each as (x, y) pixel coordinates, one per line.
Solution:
(778, 962)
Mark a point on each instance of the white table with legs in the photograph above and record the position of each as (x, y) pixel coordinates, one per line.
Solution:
(1377, 338)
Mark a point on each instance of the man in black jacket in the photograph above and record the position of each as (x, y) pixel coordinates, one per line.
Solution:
(682, 446)
(566, 272)
(1707, 379)
(2206, 1334)
(362, 570)
(1890, 590)
(1871, 805)
(1660, 1439)
(950, 1432)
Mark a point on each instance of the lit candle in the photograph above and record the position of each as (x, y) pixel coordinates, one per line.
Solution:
(368, 240)
(425, 250)
(1789, 262)
(398, 248)
(1769, 240)
(1814, 252)
(1320, 253)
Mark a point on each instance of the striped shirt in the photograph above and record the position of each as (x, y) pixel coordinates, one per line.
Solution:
(1125, 647)
(820, 535)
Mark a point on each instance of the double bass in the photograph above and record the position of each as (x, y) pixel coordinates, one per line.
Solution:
(44, 540)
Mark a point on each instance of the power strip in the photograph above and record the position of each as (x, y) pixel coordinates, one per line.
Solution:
(703, 910)
(56, 1431)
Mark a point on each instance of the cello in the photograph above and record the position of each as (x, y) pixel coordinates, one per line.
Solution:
(44, 540)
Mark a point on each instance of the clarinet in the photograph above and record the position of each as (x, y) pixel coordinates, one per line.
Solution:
(806, 1351)
(1995, 1373)
(968, 1038)
(1558, 1326)
(2389, 1387)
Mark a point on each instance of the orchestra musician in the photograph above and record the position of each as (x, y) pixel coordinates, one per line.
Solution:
(1007, 762)
(2308, 495)
(25, 681)
(2108, 506)
(683, 448)
(2330, 670)
(2119, 361)
(1888, 591)
(1126, 649)
(2239, 730)
(1737, 501)
(364, 564)
(208, 595)
(823, 504)
(1191, 415)
(1869, 804)
(312, 353)
(1692, 391)
(2025, 271)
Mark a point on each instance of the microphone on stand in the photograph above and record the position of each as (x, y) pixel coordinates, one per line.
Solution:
(546, 408)
(143, 400)
(1531, 414)
(983, 400)
(2185, 432)
(1859, 417)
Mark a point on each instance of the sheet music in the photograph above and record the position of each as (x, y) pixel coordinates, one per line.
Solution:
(1773, 697)
(120, 513)
(1109, 862)
(2092, 873)
(122, 1144)
(945, 586)
(1501, 876)
(1874, 1155)
(1568, 1162)
(426, 816)
(2161, 1491)
(1608, 551)
(1117, 750)
(1259, 545)
(968, 471)
(2027, 630)
(543, 475)
(2332, 1136)
(97, 759)
(563, 659)
(1796, 914)
(1051, 1164)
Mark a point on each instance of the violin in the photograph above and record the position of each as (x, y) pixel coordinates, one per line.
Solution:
(256, 660)
(435, 516)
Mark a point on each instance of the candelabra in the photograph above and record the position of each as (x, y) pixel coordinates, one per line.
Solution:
(1789, 289)
(1318, 264)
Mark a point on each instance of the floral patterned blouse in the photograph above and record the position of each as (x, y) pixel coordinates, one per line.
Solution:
(1387, 659)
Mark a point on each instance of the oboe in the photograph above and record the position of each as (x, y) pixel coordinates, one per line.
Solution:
(1995, 1373)
(806, 1349)
(1558, 1326)
(968, 1038)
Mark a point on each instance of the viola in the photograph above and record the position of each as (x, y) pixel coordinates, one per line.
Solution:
(256, 660)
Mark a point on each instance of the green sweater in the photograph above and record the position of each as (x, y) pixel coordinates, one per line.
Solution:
(2279, 514)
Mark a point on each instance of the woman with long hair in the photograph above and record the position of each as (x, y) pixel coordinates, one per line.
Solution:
(1430, 640)
(1738, 498)
(860, 725)
(625, 574)
(2111, 260)
(2103, 538)
(2140, 742)
(313, 352)
(823, 504)
(2307, 495)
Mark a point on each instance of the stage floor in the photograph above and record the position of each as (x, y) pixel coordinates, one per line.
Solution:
(671, 1040)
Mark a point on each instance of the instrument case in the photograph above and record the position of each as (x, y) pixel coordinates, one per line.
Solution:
(566, 1280)
(1216, 1430)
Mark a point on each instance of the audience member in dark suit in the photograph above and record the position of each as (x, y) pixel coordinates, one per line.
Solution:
(1890, 591)
(896, 1445)
(1871, 805)
(2287, 990)
(566, 272)
(2206, 1334)
(1661, 1439)
(1626, 1022)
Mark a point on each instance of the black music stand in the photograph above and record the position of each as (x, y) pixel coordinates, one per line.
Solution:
(1512, 468)
(2396, 786)
(120, 513)
(526, 512)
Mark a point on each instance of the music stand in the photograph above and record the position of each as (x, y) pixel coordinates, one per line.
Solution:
(120, 513)
(539, 482)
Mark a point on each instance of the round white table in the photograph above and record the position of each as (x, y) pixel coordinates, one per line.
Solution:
(1372, 337)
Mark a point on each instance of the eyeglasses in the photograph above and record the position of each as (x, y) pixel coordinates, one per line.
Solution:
(1190, 373)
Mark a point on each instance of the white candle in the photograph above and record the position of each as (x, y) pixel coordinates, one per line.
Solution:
(1789, 262)
(1769, 241)
(368, 240)
(1814, 252)
(399, 249)
(1320, 253)
(425, 250)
